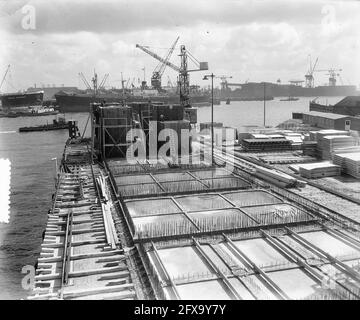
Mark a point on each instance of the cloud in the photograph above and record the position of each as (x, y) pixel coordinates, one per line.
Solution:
(256, 40)
(134, 15)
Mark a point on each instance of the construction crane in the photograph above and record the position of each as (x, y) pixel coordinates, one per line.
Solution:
(224, 82)
(309, 77)
(183, 78)
(4, 77)
(332, 75)
(163, 62)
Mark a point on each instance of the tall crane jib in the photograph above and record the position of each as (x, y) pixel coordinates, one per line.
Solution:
(163, 62)
(160, 68)
(183, 79)
(309, 77)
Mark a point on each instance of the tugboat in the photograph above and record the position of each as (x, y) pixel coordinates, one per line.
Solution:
(59, 124)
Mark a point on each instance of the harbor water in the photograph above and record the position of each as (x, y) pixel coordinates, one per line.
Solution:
(33, 171)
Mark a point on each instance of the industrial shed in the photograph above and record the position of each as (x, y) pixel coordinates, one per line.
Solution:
(349, 105)
(331, 121)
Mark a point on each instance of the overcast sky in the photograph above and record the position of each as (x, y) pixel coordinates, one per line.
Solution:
(262, 40)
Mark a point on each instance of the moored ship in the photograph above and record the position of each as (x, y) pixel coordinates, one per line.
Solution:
(24, 104)
(75, 102)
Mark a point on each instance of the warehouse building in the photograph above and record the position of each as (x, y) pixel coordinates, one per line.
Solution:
(331, 121)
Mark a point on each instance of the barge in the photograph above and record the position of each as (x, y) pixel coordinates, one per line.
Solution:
(56, 125)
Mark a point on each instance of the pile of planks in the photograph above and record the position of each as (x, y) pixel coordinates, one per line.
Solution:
(319, 170)
(327, 144)
(259, 145)
(318, 135)
(349, 163)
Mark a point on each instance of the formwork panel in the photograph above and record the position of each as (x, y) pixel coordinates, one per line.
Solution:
(295, 283)
(225, 183)
(329, 244)
(260, 252)
(183, 186)
(151, 206)
(139, 189)
(221, 219)
(118, 167)
(209, 174)
(172, 176)
(133, 179)
(250, 198)
(206, 290)
(277, 213)
(162, 225)
(203, 202)
(182, 262)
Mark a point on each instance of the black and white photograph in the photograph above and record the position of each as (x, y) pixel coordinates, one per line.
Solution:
(179, 154)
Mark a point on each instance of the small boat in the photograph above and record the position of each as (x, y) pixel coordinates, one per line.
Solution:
(290, 99)
(60, 124)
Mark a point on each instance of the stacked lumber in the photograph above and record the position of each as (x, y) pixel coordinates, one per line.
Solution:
(258, 136)
(354, 149)
(266, 144)
(319, 170)
(285, 158)
(327, 144)
(349, 163)
(309, 148)
(318, 135)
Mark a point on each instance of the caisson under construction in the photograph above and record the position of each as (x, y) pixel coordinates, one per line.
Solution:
(170, 227)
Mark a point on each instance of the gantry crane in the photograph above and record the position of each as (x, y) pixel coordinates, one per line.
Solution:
(163, 62)
(309, 77)
(183, 79)
(332, 75)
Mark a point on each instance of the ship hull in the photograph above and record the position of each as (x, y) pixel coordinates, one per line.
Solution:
(81, 103)
(257, 90)
(20, 100)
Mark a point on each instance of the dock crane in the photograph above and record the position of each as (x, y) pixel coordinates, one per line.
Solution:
(4, 77)
(183, 78)
(224, 82)
(163, 62)
(332, 75)
(309, 77)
